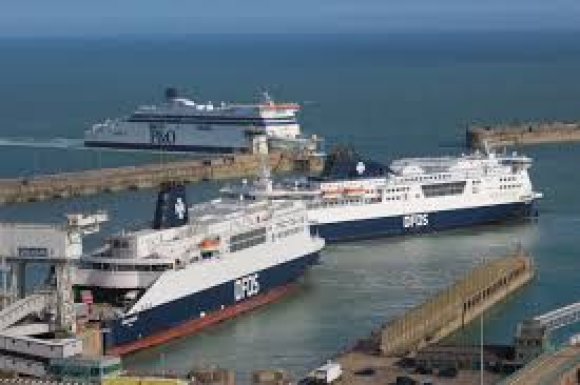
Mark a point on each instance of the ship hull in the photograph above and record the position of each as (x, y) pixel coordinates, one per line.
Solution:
(428, 222)
(189, 133)
(190, 314)
(206, 149)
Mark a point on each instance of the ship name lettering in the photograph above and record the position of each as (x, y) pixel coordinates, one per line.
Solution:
(415, 220)
(129, 321)
(246, 287)
(161, 136)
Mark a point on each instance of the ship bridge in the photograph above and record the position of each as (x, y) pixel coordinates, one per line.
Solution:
(560, 318)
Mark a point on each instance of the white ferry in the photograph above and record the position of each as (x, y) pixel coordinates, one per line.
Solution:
(181, 124)
(358, 199)
(196, 267)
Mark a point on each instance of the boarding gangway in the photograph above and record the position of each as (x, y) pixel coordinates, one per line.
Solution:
(561, 317)
(34, 303)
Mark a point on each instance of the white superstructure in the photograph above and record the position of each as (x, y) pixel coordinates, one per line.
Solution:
(411, 195)
(182, 124)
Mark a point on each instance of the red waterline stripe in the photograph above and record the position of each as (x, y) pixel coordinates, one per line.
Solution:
(199, 324)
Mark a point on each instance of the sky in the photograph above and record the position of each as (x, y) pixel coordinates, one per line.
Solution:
(146, 17)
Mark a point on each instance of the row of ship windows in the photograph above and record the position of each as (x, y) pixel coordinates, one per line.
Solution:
(475, 182)
(208, 119)
(125, 267)
(429, 191)
(436, 190)
(398, 189)
(248, 234)
(442, 189)
(140, 115)
(241, 245)
(344, 202)
(509, 186)
(423, 178)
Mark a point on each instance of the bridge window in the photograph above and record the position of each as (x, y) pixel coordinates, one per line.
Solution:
(161, 267)
(125, 267)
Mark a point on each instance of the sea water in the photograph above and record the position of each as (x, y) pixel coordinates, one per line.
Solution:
(387, 95)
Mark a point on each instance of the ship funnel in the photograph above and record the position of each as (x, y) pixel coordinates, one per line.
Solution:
(171, 210)
(171, 93)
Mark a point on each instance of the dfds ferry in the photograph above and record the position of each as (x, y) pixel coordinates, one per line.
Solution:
(196, 266)
(181, 124)
(359, 199)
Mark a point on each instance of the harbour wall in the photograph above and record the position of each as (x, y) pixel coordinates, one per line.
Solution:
(96, 181)
(456, 306)
(478, 137)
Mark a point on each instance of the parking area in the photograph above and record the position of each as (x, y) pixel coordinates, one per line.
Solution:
(365, 369)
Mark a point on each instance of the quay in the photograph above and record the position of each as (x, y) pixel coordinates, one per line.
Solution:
(73, 184)
(480, 137)
(545, 364)
(378, 358)
(561, 367)
(456, 306)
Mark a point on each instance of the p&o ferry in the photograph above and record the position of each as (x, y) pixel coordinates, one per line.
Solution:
(356, 199)
(181, 124)
(196, 266)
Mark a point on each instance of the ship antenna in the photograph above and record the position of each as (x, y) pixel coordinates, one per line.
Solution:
(267, 98)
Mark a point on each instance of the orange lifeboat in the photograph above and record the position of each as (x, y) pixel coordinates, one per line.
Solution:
(354, 192)
(280, 107)
(209, 245)
(332, 194)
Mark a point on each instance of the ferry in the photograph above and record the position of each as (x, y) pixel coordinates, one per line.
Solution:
(195, 266)
(357, 199)
(182, 124)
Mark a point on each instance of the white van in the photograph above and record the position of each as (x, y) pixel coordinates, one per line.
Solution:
(326, 374)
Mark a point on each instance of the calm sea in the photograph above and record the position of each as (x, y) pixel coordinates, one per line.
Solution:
(388, 95)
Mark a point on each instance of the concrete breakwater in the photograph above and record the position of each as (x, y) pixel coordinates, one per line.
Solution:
(378, 358)
(478, 137)
(456, 306)
(65, 185)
